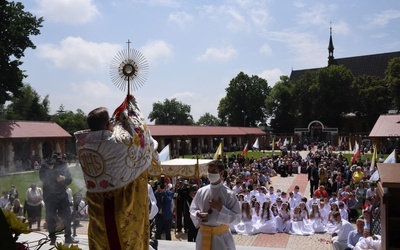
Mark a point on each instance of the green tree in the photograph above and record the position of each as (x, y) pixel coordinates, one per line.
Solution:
(371, 99)
(244, 103)
(28, 106)
(332, 94)
(16, 26)
(303, 94)
(281, 107)
(171, 112)
(393, 79)
(208, 120)
(70, 122)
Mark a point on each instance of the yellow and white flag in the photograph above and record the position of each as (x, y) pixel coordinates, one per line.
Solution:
(374, 157)
(218, 152)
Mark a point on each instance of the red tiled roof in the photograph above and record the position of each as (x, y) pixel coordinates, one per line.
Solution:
(187, 130)
(386, 126)
(31, 129)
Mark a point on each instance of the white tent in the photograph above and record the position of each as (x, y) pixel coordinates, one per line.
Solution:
(182, 167)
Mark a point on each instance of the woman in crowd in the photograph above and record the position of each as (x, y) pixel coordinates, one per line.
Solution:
(245, 226)
(255, 211)
(17, 208)
(33, 206)
(274, 210)
(298, 224)
(331, 226)
(361, 194)
(283, 221)
(317, 219)
(267, 222)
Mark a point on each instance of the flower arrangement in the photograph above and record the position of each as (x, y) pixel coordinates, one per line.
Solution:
(16, 227)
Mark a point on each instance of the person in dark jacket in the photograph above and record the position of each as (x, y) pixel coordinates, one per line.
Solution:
(164, 216)
(313, 178)
(191, 229)
(56, 177)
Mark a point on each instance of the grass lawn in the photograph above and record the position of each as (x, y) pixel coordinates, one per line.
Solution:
(23, 180)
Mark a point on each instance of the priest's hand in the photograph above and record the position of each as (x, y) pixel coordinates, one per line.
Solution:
(216, 204)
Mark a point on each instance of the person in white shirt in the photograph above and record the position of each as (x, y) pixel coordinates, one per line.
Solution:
(343, 211)
(310, 202)
(238, 187)
(254, 192)
(292, 201)
(4, 199)
(271, 195)
(340, 234)
(297, 194)
(213, 209)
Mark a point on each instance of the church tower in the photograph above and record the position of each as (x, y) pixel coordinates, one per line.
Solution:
(331, 59)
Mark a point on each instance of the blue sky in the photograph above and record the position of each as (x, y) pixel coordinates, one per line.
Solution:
(194, 48)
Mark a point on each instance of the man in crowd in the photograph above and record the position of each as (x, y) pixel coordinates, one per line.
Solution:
(355, 235)
(340, 234)
(56, 178)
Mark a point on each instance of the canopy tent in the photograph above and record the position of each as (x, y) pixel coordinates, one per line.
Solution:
(185, 168)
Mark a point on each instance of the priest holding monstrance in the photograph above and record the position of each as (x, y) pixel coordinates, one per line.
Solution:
(114, 155)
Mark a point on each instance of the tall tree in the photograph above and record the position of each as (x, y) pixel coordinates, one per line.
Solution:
(393, 79)
(29, 106)
(371, 99)
(70, 122)
(208, 120)
(303, 94)
(16, 26)
(333, 94)
(171, 112)
(244, 103)
(281, 107)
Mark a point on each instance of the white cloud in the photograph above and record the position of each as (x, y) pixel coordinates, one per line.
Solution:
(236, 22)
(266, 49)
(308, 51)
(222, 54)
(260, 17)
(95, 93)
(199, 104)
(164, 3)
(272, 76)
(228, 15)
(317, 15)
(180, 18)
(68, 11)
(299, 4)
(155, 51)
(76, 53)
(341, 27)
(384, 17)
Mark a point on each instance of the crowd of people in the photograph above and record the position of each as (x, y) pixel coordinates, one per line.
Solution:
(341, 194)
(340, 197)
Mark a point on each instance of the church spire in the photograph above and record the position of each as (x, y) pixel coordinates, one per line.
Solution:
(331, 59)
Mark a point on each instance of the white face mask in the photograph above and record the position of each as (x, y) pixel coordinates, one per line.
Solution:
(213, 177)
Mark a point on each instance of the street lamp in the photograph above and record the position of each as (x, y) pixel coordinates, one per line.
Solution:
(178, 144)
(244, 118)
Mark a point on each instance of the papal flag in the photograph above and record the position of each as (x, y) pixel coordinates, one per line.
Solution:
(218, 152)
(273, 144)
